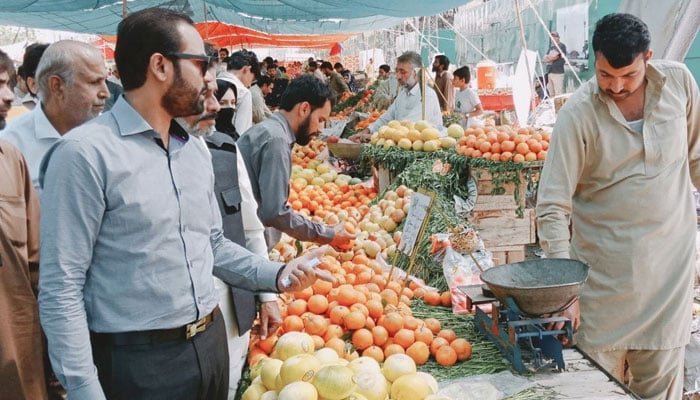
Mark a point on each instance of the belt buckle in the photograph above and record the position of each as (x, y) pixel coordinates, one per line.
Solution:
(191, 330)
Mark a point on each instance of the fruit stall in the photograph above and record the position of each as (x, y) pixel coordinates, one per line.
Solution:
(395, 326)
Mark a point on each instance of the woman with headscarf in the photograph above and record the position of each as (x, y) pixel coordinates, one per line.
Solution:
(350, 80)
(226, 94)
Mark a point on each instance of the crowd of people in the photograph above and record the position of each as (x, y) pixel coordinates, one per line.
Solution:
(135, 237)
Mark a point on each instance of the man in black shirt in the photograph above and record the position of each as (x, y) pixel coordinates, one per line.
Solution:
(555, 69)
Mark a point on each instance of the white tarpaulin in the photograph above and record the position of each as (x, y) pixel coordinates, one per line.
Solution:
(523, 85)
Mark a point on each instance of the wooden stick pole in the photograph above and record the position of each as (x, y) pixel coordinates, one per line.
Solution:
(422, 89)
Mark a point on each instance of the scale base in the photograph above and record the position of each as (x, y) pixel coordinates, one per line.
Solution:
(515, 335)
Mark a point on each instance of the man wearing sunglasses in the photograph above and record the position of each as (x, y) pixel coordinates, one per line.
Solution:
(131, 234)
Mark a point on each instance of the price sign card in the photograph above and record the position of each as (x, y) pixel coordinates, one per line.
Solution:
(416, 218)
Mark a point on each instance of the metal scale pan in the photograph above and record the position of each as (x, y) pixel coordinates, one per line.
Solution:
(538, 287)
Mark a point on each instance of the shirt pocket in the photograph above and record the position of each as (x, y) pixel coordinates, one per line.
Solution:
(669, 143)
(13, 219)
(232, 200)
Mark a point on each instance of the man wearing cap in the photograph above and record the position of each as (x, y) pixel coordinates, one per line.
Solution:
(555, 69)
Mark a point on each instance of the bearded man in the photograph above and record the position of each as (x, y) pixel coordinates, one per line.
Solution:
(267, 151)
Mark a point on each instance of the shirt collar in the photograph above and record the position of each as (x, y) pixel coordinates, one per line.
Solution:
(130, 122)
(43, 129)
(285, 125)
(415, 90)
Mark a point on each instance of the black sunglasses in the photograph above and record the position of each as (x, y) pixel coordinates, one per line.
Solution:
(204, 61)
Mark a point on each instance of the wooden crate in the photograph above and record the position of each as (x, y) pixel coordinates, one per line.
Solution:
(383, 178)
(485, 186)
(508, 254)
(499, 228)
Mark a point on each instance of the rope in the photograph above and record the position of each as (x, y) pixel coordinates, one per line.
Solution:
(449, 25)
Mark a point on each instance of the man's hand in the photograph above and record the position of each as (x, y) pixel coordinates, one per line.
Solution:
(300, 273)
(362, 136)
(574, 314)
(270, 318)
(342, 238)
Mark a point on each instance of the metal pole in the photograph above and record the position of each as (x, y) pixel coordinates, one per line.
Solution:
(123, 9)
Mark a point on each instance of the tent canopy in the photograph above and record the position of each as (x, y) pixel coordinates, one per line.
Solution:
(270, 16)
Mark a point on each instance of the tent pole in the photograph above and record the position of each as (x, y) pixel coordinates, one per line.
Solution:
(527, 62)
(123, 9)
(422, 89)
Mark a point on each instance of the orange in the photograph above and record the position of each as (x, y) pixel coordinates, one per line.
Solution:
(518, 158)
(446, 356)
(432, 298)
(522, 148)
(293, 323)
(419, 293)
(354, 320)
(304, 294)
(315, 324)
(361, 308)
(338, 345)
(404, 337)
(419, 352)
(393, 349)
(507, 145)
(374, 352)
(268, 343)
(411, 322)
(392, 321)
(463, 348)
(446, 299)
(338, 313)
(389, 297)
(380, 335)
(362, 339)
(375, 308)
(346, 295)
(437, 343)
(424, 335)
(447, 334)
(296, 307)
(317, 304)
(322, 287)
(333, 331)
(542, 155)
(255, 355)
(395, 286)
(318, 342)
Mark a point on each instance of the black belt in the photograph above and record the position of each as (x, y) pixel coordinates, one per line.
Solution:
(186, 332)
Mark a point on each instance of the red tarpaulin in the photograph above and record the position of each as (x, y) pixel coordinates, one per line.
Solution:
(105, 47)
(226, 35)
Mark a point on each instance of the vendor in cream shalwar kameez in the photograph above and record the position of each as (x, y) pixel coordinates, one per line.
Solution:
(624, 151)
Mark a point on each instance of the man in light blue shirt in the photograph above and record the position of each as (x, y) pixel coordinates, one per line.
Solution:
(71, 80)
(408, 103)
(131, 234)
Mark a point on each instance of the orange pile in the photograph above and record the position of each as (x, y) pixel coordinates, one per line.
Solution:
(363, 313)
(365, 122)
(502, 143)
